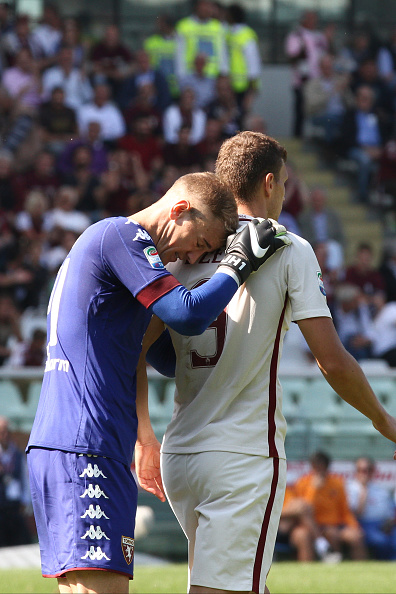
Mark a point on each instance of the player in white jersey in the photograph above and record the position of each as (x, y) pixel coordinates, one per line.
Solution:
(223, 457)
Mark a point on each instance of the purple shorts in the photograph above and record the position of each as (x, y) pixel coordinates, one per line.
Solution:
(85, 508)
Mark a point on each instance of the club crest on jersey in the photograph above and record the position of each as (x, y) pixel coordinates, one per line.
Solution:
(153, 257)
(321, 283)
(128, 548)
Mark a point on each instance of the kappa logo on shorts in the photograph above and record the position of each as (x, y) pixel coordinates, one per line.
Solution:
(94, 492)
(95, 555)
(94, 513)
(97, 533)
(321, 283)
(128, 548)
(92, 471)
(153, 257)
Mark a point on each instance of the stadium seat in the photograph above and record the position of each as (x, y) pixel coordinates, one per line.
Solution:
(11, 404)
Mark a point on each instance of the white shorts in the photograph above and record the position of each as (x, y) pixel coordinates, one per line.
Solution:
(229, 507)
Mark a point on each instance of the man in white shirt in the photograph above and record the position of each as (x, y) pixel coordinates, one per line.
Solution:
(102, 110)
(223, 457)
(72, 80)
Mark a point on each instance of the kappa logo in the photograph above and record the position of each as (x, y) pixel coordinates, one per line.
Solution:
(92, 471)
(153, 257)
(95, 555)
(321, 283)
(94, 513)
(94, 492)
(128, 548)
(97, 533)
(142, 235)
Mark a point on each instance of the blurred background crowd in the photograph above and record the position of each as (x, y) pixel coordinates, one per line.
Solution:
(91, 127)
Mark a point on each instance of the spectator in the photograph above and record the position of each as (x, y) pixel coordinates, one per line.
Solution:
(104, 111)
(41, 176)
(57, 122)
(353, 321)
(298, 529)
(65, 215)
(363, 274)
(143, 105)
(19, 99)
(225, 108)
(383, 331)
(10, 320)
(111, 60)
(61, 242)
(182, 114)
(245, 60)
(212, 140)
(325, 492)
(14, 491)
(143, 142)
(326, 98)
(388, 270)
(304, 47)
(183, 155)
(33, 222)
(383, 106)
(200, 33)
(320, 223)
(19, 38)
(374, 507)
(33, 351)
(71, 37)
(358, 48)
(161, 48)
(142, 75)
(255, 122)
(361, 139)
(204, 86)
(6, 22)
(71, 79)
(84, 180)
(48, 34)
(296, 192)
(9, 203)
(386, 59)
(92, 140)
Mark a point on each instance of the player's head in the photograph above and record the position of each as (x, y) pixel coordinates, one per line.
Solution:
(253, 164)
(202, 213)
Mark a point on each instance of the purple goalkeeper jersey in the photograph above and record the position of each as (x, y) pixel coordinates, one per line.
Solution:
(96, 320)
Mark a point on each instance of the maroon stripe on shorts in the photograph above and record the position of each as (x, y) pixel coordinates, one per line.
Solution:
(264, 529)
(273, 450)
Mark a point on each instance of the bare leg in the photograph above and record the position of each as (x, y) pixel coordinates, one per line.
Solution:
(93, 582)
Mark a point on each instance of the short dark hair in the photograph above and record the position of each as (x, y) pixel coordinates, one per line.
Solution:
(320, 459)
(245, 159)
(213, 193)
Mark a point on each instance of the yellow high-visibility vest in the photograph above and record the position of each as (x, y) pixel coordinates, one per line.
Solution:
(238, 67)
(202, 38)
(162, 51)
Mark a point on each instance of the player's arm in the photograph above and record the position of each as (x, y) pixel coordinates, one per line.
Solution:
(191, 312)
(147, 448)
(344, 374)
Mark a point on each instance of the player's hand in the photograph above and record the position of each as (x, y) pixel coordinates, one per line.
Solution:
(250, 248)
(147, 466)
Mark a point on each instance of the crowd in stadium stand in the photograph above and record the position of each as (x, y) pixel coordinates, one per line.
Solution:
(90, 129)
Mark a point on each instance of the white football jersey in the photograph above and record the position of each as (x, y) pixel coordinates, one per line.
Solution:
(228, 396)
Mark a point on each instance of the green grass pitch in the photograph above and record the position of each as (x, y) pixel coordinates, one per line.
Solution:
(292, 578)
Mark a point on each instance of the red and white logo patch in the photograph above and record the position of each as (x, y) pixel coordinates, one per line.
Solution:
(128, 548)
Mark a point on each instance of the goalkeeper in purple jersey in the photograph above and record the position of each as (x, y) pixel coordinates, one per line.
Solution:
(84, 434)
